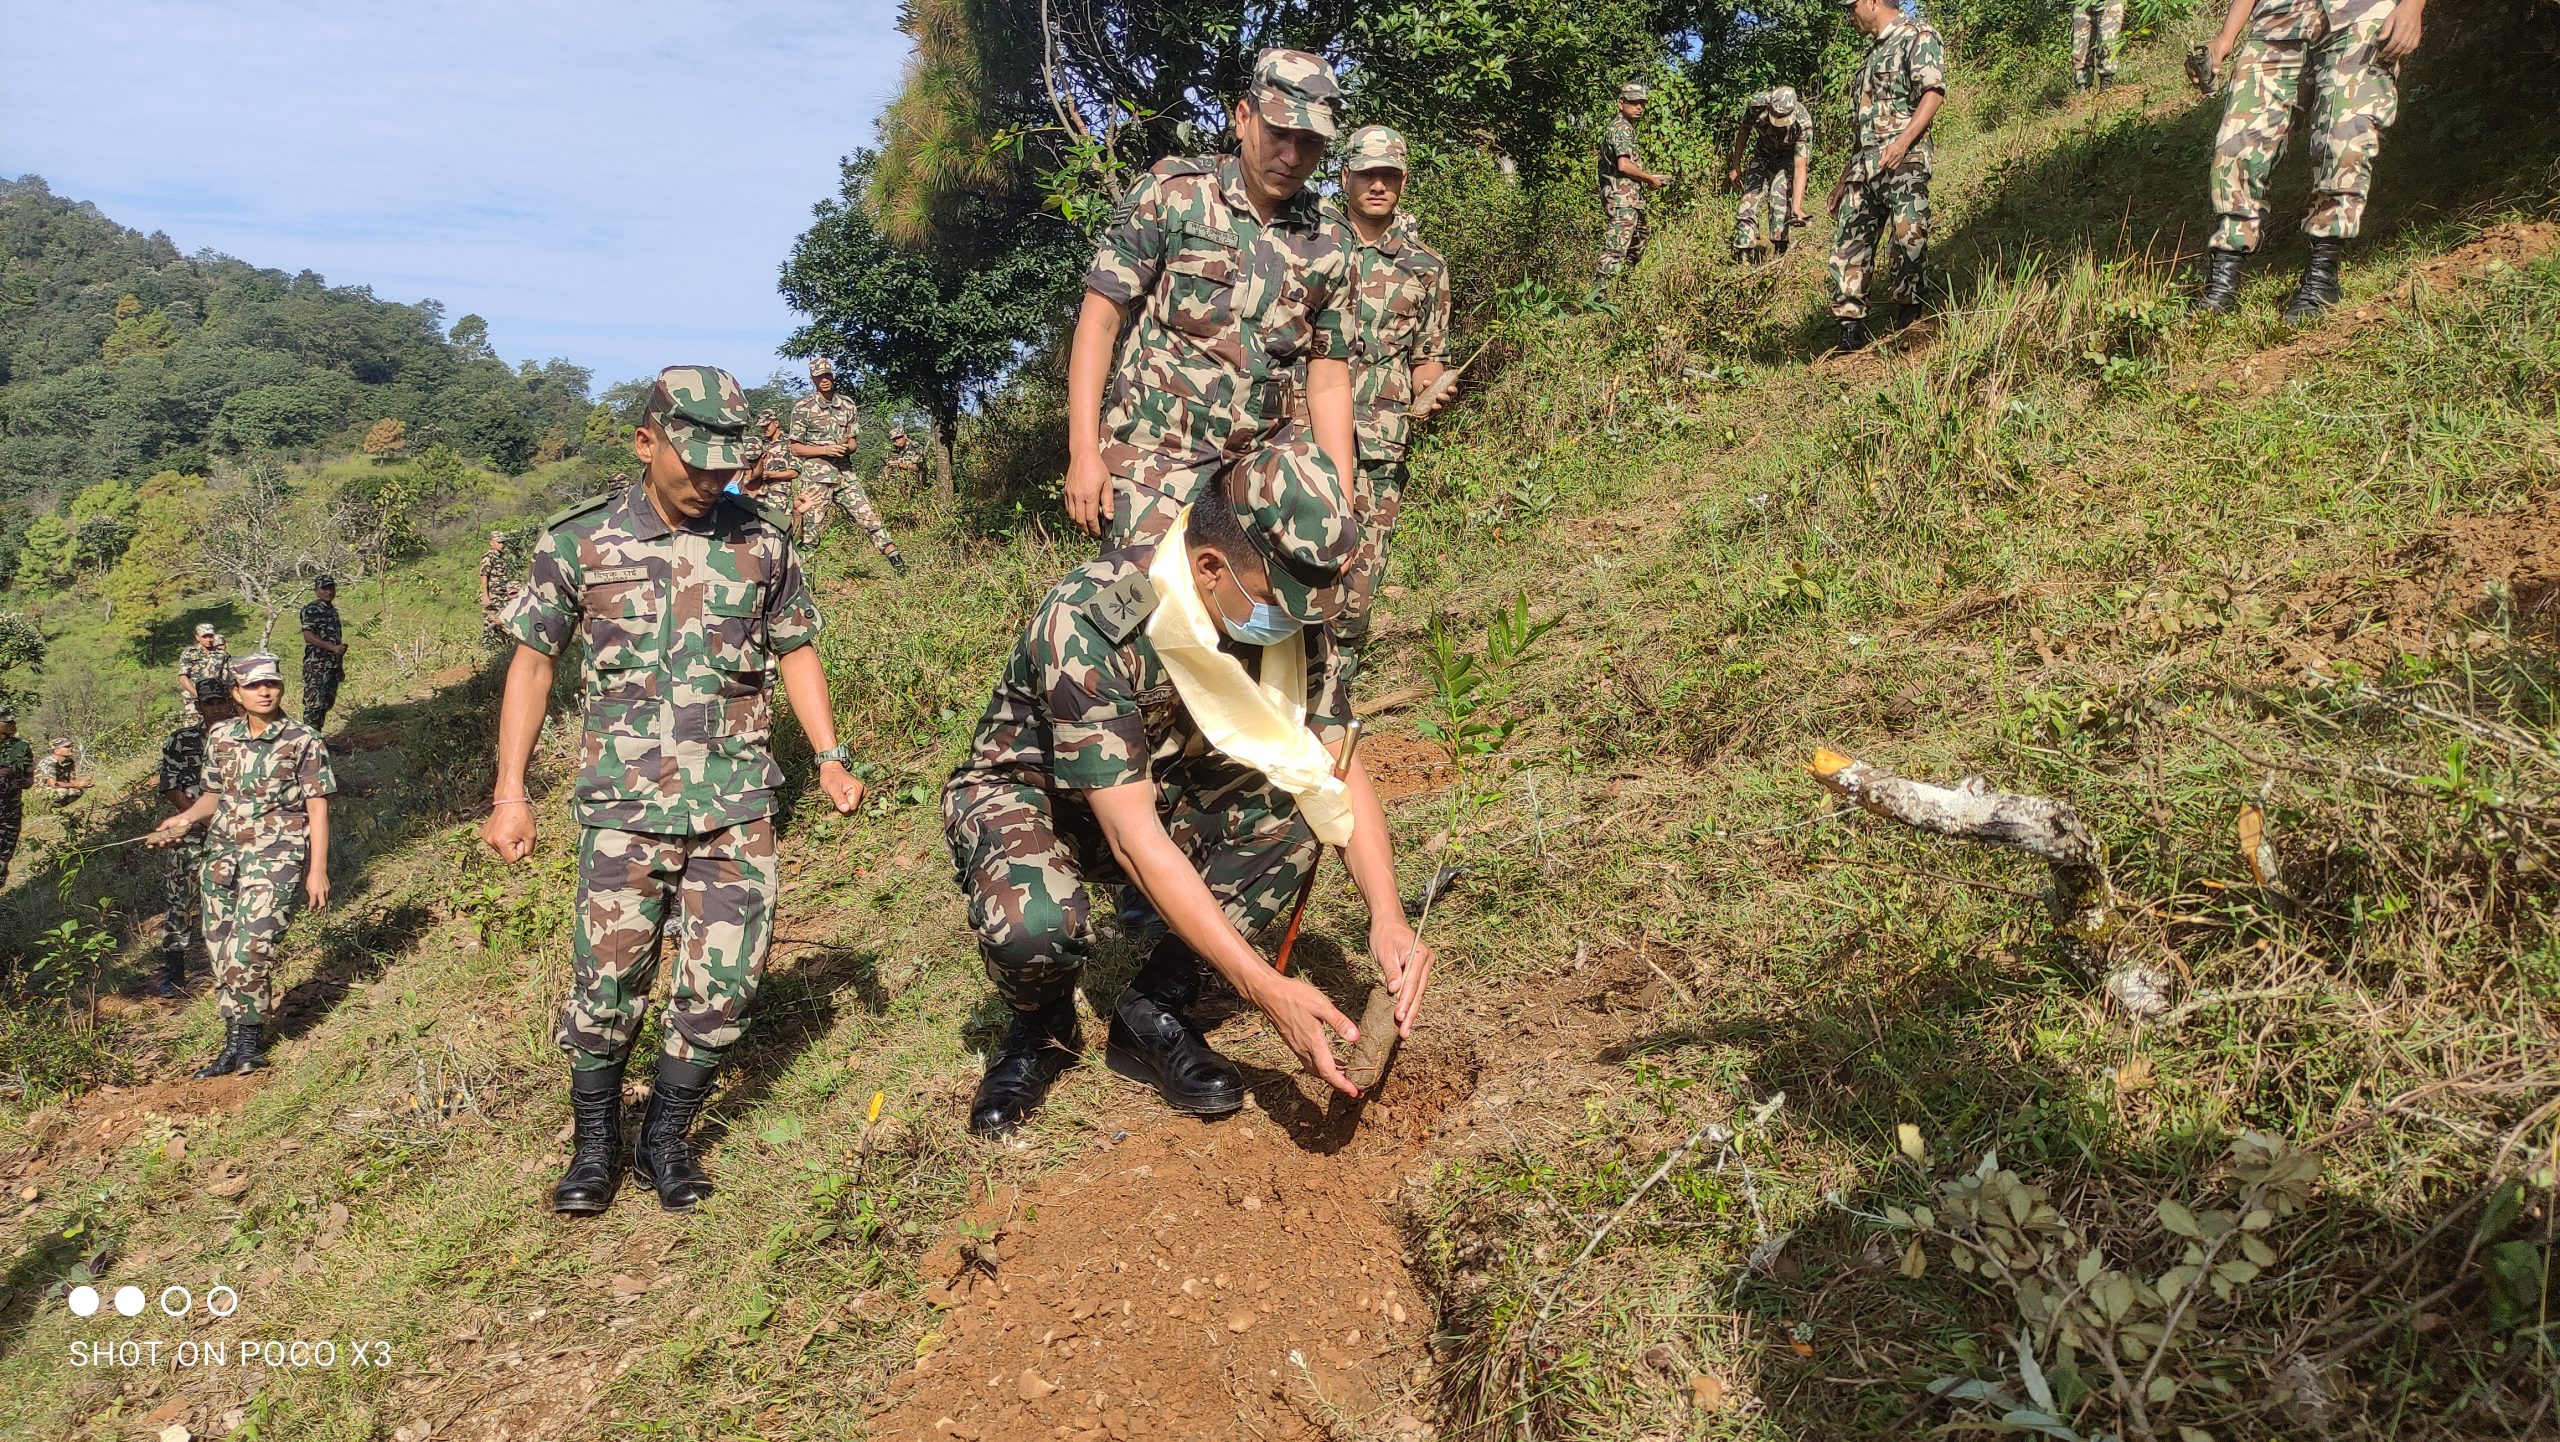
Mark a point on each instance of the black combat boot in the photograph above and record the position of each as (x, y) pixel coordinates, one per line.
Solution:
(665, 1158)
(173, 971)
(239, 1054)
(1037, 1046)
(1906, 315)
(898, 562)
(1853, 333)
(595, 1167)
(1152, 1041)
(2319, 288)
(2221, 282)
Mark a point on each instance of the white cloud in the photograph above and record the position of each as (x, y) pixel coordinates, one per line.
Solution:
(616, 185)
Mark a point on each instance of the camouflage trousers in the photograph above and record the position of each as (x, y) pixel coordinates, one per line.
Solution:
(1891, 208)
(842, 492)
(1025, 857)
(2095, 26)
(2354, 96)
(1146, 499)
(247, 898)
(722, 885)
(1622, 242)
(1769, 187)
(1377, 500)
(13, 818)
(320, 689)
(181, 895)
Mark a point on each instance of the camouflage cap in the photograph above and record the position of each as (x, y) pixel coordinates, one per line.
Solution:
(897, 433)
(324, 583)
(1633, 90)
(255, 667)
(1374, 147)
(1783, 98)
(62, 743)
(820, 366)
(1295, 90)
(1284, 495)
(203, 629)
(701, 410)
(766, 417)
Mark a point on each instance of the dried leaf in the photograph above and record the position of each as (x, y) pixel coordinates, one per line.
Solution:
(2177, 1219)
(1915, 1148)
(1706, 1393)
(1915, 1260)
(2090, 1266)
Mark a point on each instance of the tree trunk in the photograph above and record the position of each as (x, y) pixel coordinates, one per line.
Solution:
(946, 433)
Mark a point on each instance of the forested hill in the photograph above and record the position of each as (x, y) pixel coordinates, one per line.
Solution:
(121, 356)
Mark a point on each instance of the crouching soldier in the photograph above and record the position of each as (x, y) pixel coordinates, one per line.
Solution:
(1165, 720)
(689, 601)
(266, 796)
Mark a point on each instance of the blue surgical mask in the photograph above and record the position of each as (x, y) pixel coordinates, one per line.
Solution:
(1268, 625)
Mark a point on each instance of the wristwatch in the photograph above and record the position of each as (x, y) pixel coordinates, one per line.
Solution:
(837, 752)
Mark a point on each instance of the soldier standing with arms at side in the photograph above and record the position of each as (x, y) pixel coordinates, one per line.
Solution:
(1771, 154)
(689, 601)
(1166, 720)
(266, 794)
(324, 653)
(1884, 192)
(204, 661)
(17, 773)
(182, 758)
(2347, 54)
(1235, 278)
(2095, 27)
(823, 430)
(1399, 346)
(1623, 182)
(497, 588)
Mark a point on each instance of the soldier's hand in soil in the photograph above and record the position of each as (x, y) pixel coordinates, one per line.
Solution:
(1087, 486)
(509, 831)
(316, 886)
(1301, 1015)
(2400, 32)
(843, 788)
(1406, 964)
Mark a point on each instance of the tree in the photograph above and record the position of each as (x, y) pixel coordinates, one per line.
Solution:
(937, 326)
(260, 545)
(21, 656)
(44, 553)
(152, 575)
(387, 438)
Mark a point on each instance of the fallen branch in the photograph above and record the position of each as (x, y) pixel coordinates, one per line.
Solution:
(2082, 899)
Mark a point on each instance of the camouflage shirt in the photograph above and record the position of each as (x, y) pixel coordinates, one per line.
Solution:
(1085, 704)
(818, 420)
(1617, 143)
(681, 629)
(903, 457)
(2309, 19)
(182, 761)
(320, 618)
(1778, 137)
(1905, 62)
(197, 663)
(496, 586)
(1400, 297)
(262, 787)
(17, 766)
(56, 773)
(1227, 305)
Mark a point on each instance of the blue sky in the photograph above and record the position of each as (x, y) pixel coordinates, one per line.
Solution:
(615, 184)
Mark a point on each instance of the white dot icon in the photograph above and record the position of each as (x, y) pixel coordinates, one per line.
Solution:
(128, 1301)
(84, 1301)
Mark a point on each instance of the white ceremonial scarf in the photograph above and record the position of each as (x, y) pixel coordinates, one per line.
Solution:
(1260, 723)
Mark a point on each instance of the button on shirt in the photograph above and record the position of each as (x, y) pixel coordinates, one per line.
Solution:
(682, 627)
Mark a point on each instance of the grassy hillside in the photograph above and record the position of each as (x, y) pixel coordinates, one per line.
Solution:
(1739, 1113)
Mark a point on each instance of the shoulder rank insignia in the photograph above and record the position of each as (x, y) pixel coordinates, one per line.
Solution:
(576, 509)
(1123, 606)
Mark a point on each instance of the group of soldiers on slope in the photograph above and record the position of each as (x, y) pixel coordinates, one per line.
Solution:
(1244, 380)
(2338, 58)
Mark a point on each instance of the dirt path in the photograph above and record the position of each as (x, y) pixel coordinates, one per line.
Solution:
(1241, 1278)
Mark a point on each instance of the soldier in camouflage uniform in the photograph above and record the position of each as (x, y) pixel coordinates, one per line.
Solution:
(265, 805)
(1234, 279)
(1399, 346)
(1623, 182)
(497, 588)
(59, 772)
(2346, 54)
(17, 773)
(1088, 757)
(324, 653)
(206, 660)
(2095, 26)
(771, 469)
(823, 430)
(1885, 189)
(688, 602)
(1771, 154)
(182, 758)
(903, 456)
